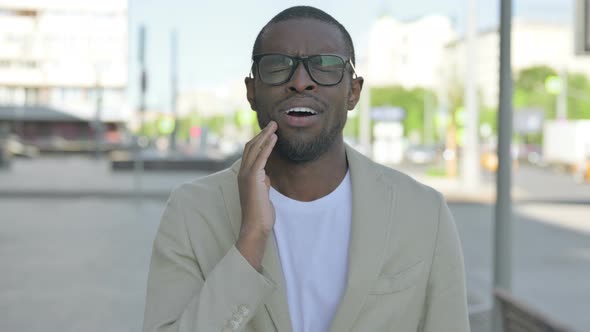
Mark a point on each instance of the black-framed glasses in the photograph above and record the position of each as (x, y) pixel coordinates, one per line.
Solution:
(277, 69)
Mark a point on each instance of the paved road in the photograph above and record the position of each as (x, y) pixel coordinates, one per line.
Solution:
(545, 184)
(81, 265)
(74, 265)
(551, 262)
(530, 183)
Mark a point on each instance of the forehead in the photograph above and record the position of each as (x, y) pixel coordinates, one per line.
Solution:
(303, 37)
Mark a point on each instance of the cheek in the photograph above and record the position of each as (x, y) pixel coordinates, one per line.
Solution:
(265, 99)
(340, 101)
(263, 119)
(341, 108)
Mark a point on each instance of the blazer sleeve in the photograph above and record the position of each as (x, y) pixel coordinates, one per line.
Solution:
(181, 299)
(446, 299)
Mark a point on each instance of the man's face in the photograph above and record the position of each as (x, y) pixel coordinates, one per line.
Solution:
(303, 137)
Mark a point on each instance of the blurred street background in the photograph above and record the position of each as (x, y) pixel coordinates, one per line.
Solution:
(106, 106)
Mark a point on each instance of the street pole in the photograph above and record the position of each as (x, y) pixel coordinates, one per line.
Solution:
(137, 157)
(470, 169)
(98, 132)
(174, 88)
(503, 208)
(143, 77)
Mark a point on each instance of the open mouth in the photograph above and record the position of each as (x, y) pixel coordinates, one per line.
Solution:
(301, 112)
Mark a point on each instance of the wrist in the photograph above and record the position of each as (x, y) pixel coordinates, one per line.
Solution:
(252, 244)
(255, 230)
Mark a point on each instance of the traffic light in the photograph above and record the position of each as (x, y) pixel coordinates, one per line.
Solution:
(582, 27)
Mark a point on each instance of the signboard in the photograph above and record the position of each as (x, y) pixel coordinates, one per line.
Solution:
(528, 121)
(582, 26)
(388, 114)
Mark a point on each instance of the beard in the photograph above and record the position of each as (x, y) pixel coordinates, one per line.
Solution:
(300, 150)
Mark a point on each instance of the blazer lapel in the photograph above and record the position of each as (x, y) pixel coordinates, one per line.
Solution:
(276, 304)
(371, 218)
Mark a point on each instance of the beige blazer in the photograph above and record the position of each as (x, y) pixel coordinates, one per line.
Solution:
(405, 261)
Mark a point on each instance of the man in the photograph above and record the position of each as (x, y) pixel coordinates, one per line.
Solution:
(304, 233)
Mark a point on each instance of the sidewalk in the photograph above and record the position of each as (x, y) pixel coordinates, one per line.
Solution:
(82, 176)
(455, 191)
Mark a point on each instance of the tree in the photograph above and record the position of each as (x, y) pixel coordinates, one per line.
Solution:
(412, 101)
(530, 91)
(578, 103)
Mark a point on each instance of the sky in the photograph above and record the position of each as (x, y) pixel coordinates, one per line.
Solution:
(215, 37)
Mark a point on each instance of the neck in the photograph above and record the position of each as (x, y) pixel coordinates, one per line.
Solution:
(311, 180)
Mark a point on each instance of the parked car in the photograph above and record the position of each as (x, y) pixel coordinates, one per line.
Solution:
(422, 154)
(18, 148)
(531, 153)
(489, 159)
(5, 155)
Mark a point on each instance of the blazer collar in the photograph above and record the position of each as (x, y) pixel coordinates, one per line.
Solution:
(372, 206)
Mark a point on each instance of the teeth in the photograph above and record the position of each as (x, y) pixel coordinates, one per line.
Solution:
(302, 110)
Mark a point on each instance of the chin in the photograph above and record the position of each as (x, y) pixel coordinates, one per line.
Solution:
(303, 150)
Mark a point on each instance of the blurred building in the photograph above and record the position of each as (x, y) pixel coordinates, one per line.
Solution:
(67, 56)
(51, 130)
(533, 44)
(223, 100)
(408, 53)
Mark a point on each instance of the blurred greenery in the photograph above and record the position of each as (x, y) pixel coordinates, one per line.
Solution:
(413, 101)
(579, 100)
(436, 171)
(213, 124)
(489, 115)
(351, 129)
(529, 92)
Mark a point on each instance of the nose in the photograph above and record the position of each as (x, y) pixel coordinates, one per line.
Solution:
(301, 81)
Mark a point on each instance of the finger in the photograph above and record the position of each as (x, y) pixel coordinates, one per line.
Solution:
(265, 152)
(256, 144)
(259, 136)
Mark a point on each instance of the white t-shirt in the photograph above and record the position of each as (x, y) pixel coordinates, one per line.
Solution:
(312, 239)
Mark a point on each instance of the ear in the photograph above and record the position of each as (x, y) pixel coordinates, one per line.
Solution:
(250, 92)
(355, 92)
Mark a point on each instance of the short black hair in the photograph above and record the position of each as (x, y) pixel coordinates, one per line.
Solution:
(299, 12)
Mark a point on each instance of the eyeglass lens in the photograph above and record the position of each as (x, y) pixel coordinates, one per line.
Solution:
(278, 68)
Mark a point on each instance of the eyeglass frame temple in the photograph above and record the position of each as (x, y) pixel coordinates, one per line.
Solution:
(353, 69)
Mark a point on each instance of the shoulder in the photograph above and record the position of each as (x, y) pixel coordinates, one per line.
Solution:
(410, 188)
(416, 209)
(405, 186)
(204, 190)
